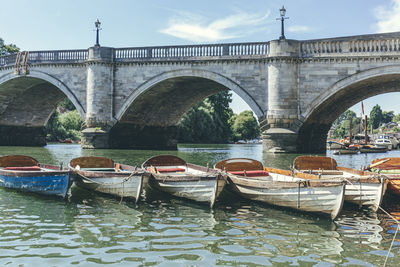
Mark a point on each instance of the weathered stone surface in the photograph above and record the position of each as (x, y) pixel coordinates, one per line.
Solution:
(95, 138)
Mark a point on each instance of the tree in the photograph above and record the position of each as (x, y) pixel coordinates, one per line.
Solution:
(208, 121)
(375, 116)
(221, 114)
(342, 124)
(7, 49)
(245, 126)
(396, 118)
(387, 116)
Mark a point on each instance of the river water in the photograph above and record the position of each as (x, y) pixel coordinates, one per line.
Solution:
(89, 229)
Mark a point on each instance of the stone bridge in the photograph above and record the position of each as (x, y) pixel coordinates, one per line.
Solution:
(135, 97)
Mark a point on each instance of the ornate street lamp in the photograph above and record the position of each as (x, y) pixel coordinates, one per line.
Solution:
(282, 12)
(97, 25)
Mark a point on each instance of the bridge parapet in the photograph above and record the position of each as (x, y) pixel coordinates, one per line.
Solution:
(192, 51)
(55, 56)
(363, 45)
(186, 52)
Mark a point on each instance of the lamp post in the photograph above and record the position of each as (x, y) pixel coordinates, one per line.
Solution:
(282, 19)
(97, 25)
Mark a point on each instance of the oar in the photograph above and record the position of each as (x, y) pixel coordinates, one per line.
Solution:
(376, 164)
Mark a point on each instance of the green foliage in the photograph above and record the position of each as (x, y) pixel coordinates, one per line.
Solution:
(387, 116)
(64, 126)
(197, 126)
(396, 118)
(375, 116)
(213, 121)
(245, 126)
(7, 49)
(208, 121)
(342, 124)
(66, 105)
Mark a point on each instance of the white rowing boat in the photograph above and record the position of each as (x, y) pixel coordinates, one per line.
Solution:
(102, 175)
(175, 176)
(362, 188)
(251, 180)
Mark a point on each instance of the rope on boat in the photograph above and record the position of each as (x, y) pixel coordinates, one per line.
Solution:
(387, 213)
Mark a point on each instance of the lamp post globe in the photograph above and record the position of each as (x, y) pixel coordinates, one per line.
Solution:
(97, 24)
(282, 11)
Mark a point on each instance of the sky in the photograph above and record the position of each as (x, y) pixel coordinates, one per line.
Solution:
(69, 24)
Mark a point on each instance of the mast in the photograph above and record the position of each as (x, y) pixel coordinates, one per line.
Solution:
(366, 130)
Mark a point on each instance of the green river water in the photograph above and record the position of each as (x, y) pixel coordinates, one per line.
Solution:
(90, 230)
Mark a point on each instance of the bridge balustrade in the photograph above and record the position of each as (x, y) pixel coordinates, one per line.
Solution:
(8, 60)
(192, 51)
(327, 47)
(356, 45)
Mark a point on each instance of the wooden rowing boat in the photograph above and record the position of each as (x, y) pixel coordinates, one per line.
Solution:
(390, 167)
(250, 179)
(175, 176)
(372, 149)
(102, 175)
(346, 151)
(24, 173)
(362, 187)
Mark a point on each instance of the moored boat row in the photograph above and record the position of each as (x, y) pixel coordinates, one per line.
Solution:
(315, 185)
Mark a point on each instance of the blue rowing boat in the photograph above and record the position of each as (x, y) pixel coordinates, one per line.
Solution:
(24, 173)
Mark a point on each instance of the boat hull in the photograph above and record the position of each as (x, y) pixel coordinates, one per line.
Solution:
(394, 185)
(345, 151)
(365, 193)
(45, 183)
(325, 200)
(204, 189)
(362, 188)
(119, 184)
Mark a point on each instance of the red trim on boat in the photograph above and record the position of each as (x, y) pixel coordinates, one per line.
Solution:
(28, 168)
(251, 173)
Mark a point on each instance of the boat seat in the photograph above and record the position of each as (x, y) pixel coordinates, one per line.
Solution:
(163, 170)
(26, 168)
(254, 173)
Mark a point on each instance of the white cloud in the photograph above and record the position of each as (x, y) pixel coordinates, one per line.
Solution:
(196, 28)
(388, 17)
(298, 28)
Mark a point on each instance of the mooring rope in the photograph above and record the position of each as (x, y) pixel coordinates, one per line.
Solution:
(384, 211)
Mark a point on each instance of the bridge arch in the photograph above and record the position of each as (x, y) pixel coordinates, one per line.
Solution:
(150, 115)
(325, 109)
(27, 103)
(53, 81)
(191, 73)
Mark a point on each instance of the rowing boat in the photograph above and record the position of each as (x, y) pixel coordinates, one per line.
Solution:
(175, 176)
(102, 175)
(390, 167)
(362, 187)
(24, 173)
(250, 179)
